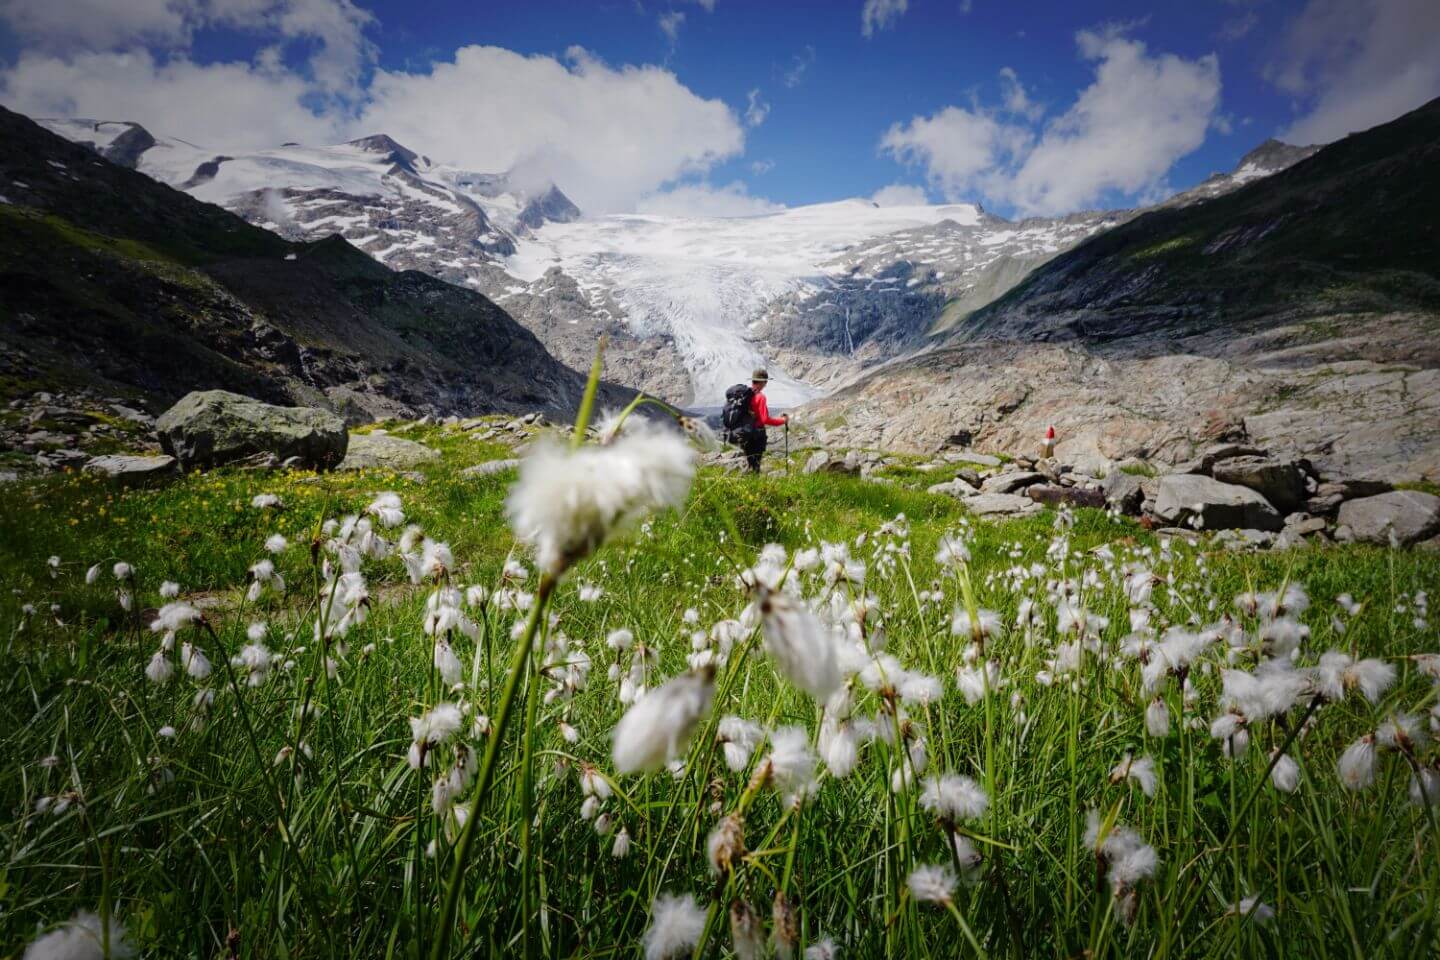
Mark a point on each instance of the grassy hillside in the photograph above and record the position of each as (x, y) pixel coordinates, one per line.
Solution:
(283, 819)
(1354, 228)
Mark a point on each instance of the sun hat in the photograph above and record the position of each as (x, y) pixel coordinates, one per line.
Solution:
(759, 375)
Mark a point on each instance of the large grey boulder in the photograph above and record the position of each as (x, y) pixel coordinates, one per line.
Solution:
(1279, 481)
(128, 469)
(379, 451)
(1001, 505)
(1220, 506)
(1012, 482)
(208, 428)
(1410, 515)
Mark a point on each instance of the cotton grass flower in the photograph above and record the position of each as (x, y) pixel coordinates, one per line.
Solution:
(802, 647)
(1357, 764)
(567, 502)
(1139, 769)
(1285, 774)
(932, 883)
(169, 590)
(953, 798)
(676, 923)
(658, 728)
(1157, 719)
(83, 937)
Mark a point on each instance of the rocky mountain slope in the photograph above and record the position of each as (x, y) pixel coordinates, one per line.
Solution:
(689, 304)
(1302, 311)
(112, 280)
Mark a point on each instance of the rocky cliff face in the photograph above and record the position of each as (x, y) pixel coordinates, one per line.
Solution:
(1303, 312)
(110, 279)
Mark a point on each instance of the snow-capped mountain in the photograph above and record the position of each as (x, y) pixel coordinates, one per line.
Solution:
(384, 198)
(688, 305)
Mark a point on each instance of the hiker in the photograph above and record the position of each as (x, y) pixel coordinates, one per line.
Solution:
(746, 416)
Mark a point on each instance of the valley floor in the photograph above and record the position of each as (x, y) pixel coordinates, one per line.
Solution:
(1071, 737)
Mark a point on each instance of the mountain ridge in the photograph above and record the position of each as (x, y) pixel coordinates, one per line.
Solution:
(112, 278)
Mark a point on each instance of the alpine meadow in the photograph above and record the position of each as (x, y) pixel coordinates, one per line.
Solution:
(704, 480)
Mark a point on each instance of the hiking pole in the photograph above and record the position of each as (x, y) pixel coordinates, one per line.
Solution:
(787, 446)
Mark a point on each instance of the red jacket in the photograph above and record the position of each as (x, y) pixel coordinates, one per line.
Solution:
(761, 410)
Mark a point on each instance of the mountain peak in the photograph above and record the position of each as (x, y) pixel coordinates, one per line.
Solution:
(1274, 155)
(383, 143)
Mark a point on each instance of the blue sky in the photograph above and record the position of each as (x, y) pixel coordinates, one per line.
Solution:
(733, 106)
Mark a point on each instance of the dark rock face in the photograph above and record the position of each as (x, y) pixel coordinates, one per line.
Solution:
(1281, 482)
(1124, 491)
(212, 427)
(1076, 496)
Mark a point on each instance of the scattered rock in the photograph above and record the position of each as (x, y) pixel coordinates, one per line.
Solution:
(983, 459)
(1076, 496)
(60, 459)
(1245, 539)
(378, 451)
(1412, 516)
(1010, 482)
(129, 469)
(1001, 504)
(489, 468)
(1280, 482)
(957, 487)
(1205, 462)
(822, 462)
(212, 427)
(1123, 491)
(1220, 506)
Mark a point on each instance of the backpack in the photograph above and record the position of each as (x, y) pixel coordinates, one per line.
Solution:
(737, 415)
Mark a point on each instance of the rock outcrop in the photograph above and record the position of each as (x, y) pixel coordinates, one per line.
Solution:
(211, 428)
(1404, 516)
(1186, 497)
(369, 451)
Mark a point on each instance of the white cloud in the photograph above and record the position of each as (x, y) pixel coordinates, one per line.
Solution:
(761, 167)
(225, 106)
(606, 134)
(1016, 100)
(1123, 133)
(799, 64)
(1353, 64)
(335, 29)
(900, 195)
(957, 147)
(1237, 28)
(705, 200)
(670, 23)
(881, 15)
(756, 110)
(102, 24)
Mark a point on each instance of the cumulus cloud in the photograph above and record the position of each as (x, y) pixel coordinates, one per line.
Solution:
(333, 29)
(225, 106)
(704, 200)
(1353, 64)
(756, 110)
(1123, 133)
(607, 134)
(959, 148)
(881, 15)
(900, 195)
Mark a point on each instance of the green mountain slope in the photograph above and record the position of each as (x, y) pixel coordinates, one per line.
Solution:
(113, 280)
(1354, 228)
